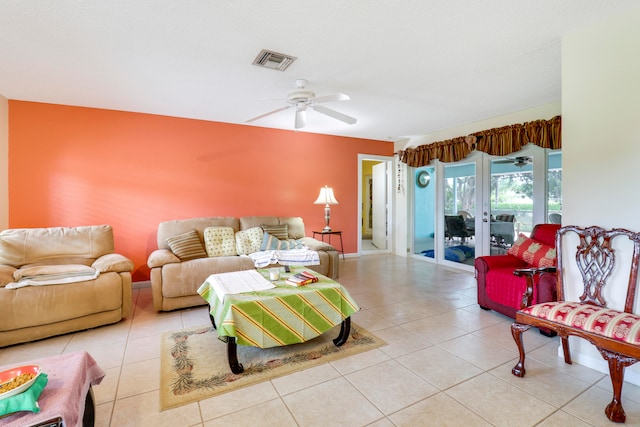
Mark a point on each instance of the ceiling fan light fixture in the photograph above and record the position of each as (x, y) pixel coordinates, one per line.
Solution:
(273, 60)
(303, 98)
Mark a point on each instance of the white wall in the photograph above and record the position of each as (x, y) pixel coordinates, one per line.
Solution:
(601, 136)
(4, 163)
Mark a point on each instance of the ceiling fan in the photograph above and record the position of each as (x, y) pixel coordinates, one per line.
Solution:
(302, 98)
(519, 161)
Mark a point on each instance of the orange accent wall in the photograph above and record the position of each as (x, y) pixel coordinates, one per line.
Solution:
(73, 166)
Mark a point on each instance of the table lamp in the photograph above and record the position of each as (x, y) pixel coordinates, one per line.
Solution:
(326, 198)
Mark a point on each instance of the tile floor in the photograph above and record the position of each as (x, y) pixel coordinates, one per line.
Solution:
(448, 363)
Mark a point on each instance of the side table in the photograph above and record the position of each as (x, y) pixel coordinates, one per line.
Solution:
(67, 399)
(330, 233)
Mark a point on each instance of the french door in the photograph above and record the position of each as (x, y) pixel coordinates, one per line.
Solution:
(463, 231)
(478, 206)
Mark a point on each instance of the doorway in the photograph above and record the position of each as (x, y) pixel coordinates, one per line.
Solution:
(374, 207)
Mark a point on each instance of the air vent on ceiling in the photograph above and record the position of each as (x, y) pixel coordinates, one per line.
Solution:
(273, 60)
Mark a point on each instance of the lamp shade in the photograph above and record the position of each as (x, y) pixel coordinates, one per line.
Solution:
(326, 197)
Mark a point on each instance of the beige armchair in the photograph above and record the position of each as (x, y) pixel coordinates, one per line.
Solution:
(59, 280)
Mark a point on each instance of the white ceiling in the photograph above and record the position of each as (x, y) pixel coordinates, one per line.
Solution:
(411, 67)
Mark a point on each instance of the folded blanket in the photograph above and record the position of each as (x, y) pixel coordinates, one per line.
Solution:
(263, 258)
(303, 256)
(52, 275)
(298, 257)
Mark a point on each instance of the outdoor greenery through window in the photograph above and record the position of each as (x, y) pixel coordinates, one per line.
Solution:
(460, 189)
(512, 193)
(554, 187)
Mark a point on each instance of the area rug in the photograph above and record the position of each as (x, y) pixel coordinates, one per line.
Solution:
(194, 364)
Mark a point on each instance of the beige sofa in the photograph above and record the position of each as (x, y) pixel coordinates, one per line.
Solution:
(175, 282)
(90, 284)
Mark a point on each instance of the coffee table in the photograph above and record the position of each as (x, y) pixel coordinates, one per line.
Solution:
(280, 316)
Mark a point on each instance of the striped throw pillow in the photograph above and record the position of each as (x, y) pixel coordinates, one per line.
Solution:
(280, 231)
(272, 243)
(187, 246)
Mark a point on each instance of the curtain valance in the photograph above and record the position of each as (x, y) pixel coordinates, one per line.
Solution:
(500, 141)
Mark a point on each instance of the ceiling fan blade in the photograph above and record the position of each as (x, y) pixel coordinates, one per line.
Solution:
(332, 97)
(301, 118)
(336, 115)
(268, 114)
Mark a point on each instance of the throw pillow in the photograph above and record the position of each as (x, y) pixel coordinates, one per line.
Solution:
(272, 243)
(269, 242)
(290, 244)
(455, 255)
(249, 241)
(468, 252)
(533, 252)
(280, 231)
(220, 241)
(450, 254)
(187, 246)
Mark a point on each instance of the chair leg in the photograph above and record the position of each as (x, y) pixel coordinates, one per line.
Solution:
(566, 350)
(516, 331)
(617, 363)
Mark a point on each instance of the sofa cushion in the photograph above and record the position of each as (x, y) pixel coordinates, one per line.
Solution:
(6, 275)
(316, 245)
(58, 303)
(603, 321)
(187, 246)
(247, 222)
(295, 225)
(507, 289)
(168, 229)
(249, 241)
(20, 246)
(532, 252)
(280, 231)
(113, 262)
(220, 241)
(183, 279)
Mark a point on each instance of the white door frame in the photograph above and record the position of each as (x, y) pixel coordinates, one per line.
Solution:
(390, 202)
(482, 229)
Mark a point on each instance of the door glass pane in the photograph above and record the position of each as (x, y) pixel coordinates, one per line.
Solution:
(459, 212)
(424, 211)
(554, 187)
(511, 201)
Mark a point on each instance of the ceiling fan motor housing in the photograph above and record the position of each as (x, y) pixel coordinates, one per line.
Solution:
(300, 96)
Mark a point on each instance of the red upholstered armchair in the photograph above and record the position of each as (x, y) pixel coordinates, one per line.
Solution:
(500, 290)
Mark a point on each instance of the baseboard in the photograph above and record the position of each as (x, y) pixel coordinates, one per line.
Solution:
(141, 284)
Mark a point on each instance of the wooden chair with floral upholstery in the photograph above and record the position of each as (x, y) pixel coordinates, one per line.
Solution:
(604, 264)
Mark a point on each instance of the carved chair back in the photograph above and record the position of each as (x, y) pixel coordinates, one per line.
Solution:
(596, 259)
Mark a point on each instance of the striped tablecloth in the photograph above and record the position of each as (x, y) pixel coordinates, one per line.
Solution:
(280, 316)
